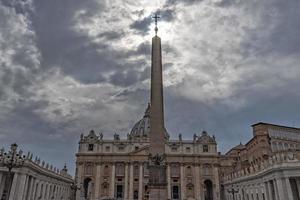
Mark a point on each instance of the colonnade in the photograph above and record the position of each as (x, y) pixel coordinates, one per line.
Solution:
(29, 185)
(265, 189)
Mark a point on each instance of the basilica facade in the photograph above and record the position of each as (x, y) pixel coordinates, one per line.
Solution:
(119, 167)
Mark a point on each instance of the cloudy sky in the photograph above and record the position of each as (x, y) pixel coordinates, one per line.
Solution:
(70, 66)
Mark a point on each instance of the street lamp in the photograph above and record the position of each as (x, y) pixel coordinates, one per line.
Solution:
(10, 160)
(233, 192)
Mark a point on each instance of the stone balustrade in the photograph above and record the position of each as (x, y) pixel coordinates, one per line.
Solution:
(277, 159)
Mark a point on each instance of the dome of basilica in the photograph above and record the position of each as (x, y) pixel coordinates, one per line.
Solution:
(141, 129)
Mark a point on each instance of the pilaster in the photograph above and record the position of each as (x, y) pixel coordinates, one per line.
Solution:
(113, 175)
(217, 183)
(182, 182)
(126, 182)
(97, 181)
(79, 181)
(140, 197)
(131, 182)
(197, 182)
(169, 181)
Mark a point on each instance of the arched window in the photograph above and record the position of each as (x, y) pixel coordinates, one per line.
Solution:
(87, 187)
(208, 190)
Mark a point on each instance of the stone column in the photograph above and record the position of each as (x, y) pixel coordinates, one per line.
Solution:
(48, 191)
(169, 181)
(268, 193)
(288, 188)
(2, 182)
(298, 186)
(182, 182)
(113, 175)
(38, 191)
(97, 181)
(260, 191)
(26, 187)
(14, 189)
(140, 197)
(197, 182)
(126, 182)
(131, 182)
(32, 196)
(1, 177)
(30, 189)
(279, 189)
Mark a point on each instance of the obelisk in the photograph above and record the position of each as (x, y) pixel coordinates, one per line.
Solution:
(157, 167)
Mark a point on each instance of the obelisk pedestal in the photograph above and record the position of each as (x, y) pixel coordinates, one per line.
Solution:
(157, 182)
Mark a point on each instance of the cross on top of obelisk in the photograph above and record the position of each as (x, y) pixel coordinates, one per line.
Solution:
(156, 17)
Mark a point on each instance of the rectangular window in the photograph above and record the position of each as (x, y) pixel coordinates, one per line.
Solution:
(174, 149)
(175, 170)
(188, 149)
(91, 147)
(175, 192)
(119, 191)
(205, 148)
(120, 169)
(107, 148)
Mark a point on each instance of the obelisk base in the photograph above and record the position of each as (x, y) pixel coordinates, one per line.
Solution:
(158, 193)
(157, 182)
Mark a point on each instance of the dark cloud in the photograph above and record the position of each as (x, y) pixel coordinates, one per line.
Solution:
(167, 15)
(142, 26)
(281, 28)
(111, 35)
